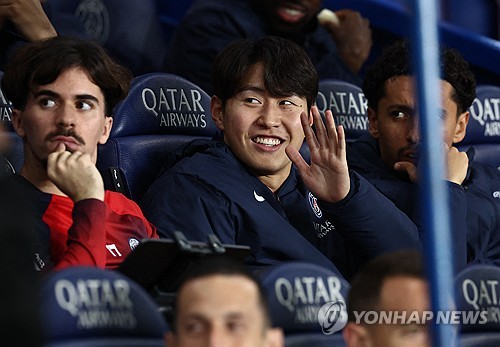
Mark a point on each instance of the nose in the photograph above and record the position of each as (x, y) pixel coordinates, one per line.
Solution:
(218, 338)
(65, 116)
(414, 131)
(270, 116)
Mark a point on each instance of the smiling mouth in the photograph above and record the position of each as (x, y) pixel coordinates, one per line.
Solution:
(267, 141)
(290, 14)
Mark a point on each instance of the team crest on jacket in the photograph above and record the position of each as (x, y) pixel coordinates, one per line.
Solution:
(133, 243)
(314, 205)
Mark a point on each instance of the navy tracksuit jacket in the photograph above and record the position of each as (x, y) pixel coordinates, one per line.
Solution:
(205, 189)
(474, 205)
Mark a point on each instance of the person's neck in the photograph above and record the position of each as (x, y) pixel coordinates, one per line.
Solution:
(273, 182)
(37, 175)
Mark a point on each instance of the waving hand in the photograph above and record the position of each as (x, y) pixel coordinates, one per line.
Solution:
(327, 177)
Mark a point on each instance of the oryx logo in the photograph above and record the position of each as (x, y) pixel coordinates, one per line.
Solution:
(314, 205)
(332, 317)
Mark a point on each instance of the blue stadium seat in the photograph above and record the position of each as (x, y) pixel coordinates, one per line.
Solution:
(161, 112)
(84, 307)
(130, 30)
(483, 131)
(12, 160)
(300, 297)
(478, 294)
(479, 16)
(348, 105)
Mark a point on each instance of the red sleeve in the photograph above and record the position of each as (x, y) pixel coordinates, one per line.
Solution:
(86, 245)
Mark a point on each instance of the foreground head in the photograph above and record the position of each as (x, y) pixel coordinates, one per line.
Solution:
(389, 87)
(63, 90)
(220, 304)
(288, 17)
(261, 88)
(394, 282)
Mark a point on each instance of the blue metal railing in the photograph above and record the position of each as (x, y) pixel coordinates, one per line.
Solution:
(434, 195)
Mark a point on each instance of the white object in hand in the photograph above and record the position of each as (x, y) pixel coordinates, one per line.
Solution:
(327, 16)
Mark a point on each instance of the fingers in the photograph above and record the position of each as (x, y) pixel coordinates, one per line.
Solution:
(327, 137)
(296, 159)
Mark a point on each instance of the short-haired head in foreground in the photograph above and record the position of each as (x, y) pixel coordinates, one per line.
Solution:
(220, 303)
(392, 283)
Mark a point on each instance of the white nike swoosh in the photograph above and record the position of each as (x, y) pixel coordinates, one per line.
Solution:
(258, 197)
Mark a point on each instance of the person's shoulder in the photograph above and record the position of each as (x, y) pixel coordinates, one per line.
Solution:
(119, 203)
(198, 157)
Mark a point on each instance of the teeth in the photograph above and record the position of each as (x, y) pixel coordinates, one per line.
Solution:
(267, 141)
(292, 12)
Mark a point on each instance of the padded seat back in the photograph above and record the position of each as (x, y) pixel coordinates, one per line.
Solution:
(483, 130)
(86, 306)
(308, 302)
(161, 112)
(478, 296)
(348, 105)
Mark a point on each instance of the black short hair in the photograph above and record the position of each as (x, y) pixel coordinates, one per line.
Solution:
(42, 62)
(288, 70)
(213, 265)
(395, 60)
(366, 285)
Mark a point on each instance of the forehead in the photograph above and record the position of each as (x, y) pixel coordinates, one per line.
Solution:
(218, 294)
(404, 293)
(70, 83)
(403, 88)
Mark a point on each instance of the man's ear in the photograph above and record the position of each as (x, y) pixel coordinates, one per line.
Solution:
(17, 123)
(355, 335)
(217, 112)
(108, 124)
(373, 122)
(461, 127)
(274, 338)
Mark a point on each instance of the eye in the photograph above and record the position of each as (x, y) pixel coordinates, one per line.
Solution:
(194, 328)
(83, 105)
(399, 114)
(252, 101)
(47, 103)
(288, 103)
(235, 326)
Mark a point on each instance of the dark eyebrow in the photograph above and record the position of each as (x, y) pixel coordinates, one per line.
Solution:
(250, 88)
(45, 92)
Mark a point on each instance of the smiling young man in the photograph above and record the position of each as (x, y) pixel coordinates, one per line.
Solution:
(337, 49)
(388, 157)
(254, 188)
(63, 92)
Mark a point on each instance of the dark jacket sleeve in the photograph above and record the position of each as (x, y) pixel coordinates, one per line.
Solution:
(371, 223)
(181, 203)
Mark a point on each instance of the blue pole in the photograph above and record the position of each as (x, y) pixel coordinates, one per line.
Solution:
(434, 195)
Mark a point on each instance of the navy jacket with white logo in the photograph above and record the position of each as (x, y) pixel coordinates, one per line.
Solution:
(205, 189)
(474, 205)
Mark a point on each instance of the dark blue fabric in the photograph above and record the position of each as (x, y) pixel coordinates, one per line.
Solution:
(210, 25)
(474, 205)
(209, 191)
